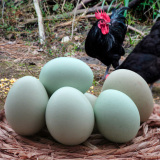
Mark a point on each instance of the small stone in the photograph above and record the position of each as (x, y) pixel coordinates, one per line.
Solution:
(65, 39)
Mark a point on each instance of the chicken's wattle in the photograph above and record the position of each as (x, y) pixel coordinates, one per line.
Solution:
(104, 27)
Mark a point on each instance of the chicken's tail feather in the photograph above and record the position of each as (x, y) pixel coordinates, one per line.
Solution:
(118, 15)
(119, 12)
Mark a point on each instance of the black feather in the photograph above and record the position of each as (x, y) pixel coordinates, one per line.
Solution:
(108, 48)
(145, 57)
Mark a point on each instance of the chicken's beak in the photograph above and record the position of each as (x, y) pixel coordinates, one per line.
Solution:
(108, 23)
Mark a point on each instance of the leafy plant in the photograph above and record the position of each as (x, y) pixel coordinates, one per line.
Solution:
(95, 82)
(133, 39)
(68, 6)
(156, 14)
(126, 2)
(55, 7)
(149, 8)
(109, 7)
(131, 19)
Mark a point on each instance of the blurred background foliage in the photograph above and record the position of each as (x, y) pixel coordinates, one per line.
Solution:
(14, 12)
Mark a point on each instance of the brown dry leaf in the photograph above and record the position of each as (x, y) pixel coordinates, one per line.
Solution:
(76, 38)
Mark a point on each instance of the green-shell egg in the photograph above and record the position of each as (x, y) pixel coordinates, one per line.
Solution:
(135, 87)
(69, 116)
(92, 99)
(66, 71)
(25, 106)
(117, 116)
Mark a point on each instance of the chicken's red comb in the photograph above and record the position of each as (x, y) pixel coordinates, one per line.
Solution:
(102, 15)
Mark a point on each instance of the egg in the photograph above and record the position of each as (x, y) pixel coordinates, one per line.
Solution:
(135, 87)
(69, 116)
(66, 71)
(117, 116)
(25, 106)
(92, 98)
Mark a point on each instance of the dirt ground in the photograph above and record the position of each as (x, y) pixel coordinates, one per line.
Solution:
(18, 59)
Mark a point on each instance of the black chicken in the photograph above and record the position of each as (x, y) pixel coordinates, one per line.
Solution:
(105, 38)
(145, 57)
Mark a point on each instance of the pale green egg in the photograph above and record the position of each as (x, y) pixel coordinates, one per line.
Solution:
(66, 71)
(92, 99)
(117, 116)
(135, 87)
(25, 106)
(69, 116)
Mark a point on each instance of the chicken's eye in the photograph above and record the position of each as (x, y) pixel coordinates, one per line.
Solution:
(101, 21)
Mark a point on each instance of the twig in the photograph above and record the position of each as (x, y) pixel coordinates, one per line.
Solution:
(92, 16)
(3, 2)
(136, 30)
(74, 20)
(151, 7)
(89, 145)
(40, 22)
(66, 15)
(70, 22)
(28, 69)
(82, 3)
(63, 5)
(132, 4)
(98, 4)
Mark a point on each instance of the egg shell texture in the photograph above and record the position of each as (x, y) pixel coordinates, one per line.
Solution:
(25, 106)
(69, 116)
(92, 98)
(117, 116)
(135, 87)
(66, 71)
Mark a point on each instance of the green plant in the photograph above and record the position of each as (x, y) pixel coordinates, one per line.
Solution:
(50, 52)
(130, 19)
(149, 8)
(10, 28)
(44, 8)
(95, 82)
(132, 39)
(126, 2)
(47, 27)
(156, 14)
(55, 7)
(68, 6)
